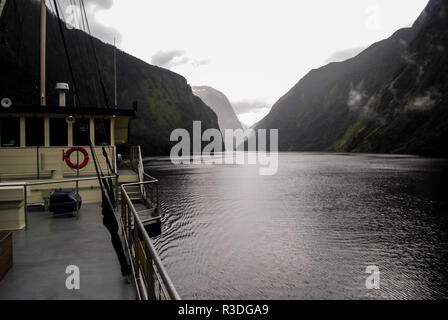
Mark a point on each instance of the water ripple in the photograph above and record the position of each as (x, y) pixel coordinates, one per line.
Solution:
(308, 232)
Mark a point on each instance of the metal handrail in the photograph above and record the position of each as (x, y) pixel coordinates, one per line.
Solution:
(160, 275)
(150, 178)
(26, 185)
(30, 184)
(136, 162)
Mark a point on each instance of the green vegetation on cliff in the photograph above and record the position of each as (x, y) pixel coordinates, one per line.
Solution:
(391, 98)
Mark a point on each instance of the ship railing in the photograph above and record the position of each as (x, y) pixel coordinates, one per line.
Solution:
(32, 186)
(136, 162)
(151, 280)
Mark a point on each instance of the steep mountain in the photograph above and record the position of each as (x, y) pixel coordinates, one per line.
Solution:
(391, 98)
(165, 100)
(221, 105)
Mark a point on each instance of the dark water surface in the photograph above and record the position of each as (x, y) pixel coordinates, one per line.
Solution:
(308, 232)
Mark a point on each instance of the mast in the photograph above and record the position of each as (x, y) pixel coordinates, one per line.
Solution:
(115, 73)
(43, 45)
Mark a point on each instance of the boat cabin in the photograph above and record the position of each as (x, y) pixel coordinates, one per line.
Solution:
(49, 144)
(44, 126)
(33, 138)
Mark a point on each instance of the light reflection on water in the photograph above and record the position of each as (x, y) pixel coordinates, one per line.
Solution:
(308, 232)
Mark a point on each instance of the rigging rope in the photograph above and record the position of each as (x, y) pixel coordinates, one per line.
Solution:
(103, 88)
(92, 150)
(87, 30)
(76, 88)
(84, 47)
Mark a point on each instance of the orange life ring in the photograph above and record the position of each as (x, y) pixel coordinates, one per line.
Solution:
(66, 157)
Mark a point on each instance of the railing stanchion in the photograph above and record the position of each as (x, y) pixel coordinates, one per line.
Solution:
(25, 197)
(149, 273)
(151, 279)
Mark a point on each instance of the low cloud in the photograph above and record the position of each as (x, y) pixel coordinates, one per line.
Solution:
(343, 55)
(202, 62)
(169, 58)
(101, 4)
(172, 58)
(250, 112)
(72, 16)
(423, 103)
(246, 106)
(356, 96)
(105, 33)
(249, 119)
(354, 99)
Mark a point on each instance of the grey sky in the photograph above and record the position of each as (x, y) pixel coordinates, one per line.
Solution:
(93, 8)
(252, 50)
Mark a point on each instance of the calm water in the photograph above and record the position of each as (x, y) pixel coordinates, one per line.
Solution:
(308, 232)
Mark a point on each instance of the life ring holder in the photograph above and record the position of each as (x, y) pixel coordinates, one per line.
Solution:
(66, 157)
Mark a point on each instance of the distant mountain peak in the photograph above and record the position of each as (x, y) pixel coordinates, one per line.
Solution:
(220, 104)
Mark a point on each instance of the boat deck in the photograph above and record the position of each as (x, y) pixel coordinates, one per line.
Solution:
(51, 243)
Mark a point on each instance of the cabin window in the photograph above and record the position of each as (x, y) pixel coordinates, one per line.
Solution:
(58, 132)
(102, 132)
(81, 132)
(9, 132)
(34, 132)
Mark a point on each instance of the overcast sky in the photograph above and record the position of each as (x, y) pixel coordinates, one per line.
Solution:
(253, 51)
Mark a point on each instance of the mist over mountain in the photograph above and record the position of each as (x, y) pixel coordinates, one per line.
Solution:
(165, 100)
(343, 55)
(220, 105)
(251, 111)
(390, 98)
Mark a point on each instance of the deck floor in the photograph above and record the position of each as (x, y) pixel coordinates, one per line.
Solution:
(51, 243)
